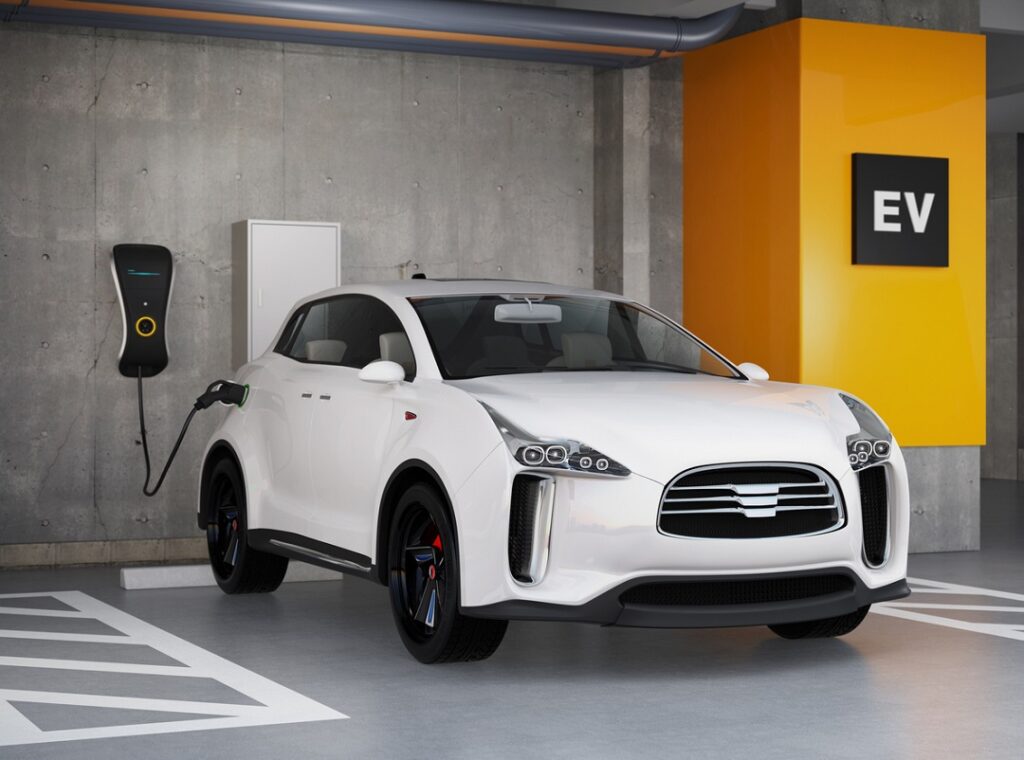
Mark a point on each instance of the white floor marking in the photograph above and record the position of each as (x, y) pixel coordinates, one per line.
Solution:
(104, 667)
(277, 704)
(908, 610)
(41, 612)
(85, 638)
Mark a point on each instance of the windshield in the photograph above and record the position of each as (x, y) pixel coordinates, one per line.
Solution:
(479, 335)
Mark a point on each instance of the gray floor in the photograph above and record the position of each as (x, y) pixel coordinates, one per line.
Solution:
(895, 688)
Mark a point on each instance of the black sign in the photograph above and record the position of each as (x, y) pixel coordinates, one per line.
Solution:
(900, 210)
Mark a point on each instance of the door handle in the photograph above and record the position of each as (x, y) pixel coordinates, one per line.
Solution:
(307, 395)
(325, 397)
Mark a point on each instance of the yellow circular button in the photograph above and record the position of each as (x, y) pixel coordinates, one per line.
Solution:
(145, 326)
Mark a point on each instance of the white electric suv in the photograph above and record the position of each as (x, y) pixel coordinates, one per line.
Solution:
(497, 450)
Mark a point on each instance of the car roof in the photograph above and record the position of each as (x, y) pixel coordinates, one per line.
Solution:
(425, 288)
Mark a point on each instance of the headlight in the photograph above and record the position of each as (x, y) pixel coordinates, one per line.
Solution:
(557, 454)
(871, 444)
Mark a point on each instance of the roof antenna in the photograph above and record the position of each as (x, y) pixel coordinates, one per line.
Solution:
(419, 276)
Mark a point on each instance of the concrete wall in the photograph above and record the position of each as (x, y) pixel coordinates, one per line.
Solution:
(638, 202)
(455, 167)
(999, 457)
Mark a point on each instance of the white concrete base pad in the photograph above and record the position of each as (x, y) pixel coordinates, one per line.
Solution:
(187, 576)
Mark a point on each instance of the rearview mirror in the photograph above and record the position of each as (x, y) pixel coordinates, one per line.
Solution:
(382, 372)
(753, 371)
(528, 313)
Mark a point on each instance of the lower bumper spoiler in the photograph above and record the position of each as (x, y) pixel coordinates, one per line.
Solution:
(615, 608)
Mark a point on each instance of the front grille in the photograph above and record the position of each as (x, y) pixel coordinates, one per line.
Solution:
(874, 502)
(729, 592)
(751, 501)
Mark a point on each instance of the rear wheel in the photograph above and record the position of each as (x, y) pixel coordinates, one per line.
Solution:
(822, 629)
(423, 581)
(237, 568)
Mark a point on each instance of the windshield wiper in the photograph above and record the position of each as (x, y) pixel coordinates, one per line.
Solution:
(665, 367)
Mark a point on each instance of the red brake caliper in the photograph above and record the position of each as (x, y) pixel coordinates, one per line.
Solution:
(437, 545)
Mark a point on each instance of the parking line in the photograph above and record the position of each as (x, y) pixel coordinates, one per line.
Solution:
(915, 611)
(41, 613)
(276, 704)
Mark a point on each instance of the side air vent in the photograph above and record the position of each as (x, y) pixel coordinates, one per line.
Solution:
(529, 527)
(874, 500)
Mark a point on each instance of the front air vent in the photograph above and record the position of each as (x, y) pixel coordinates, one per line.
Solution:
(741, 591)
(751, 501)
(874, 501)
(529, 527)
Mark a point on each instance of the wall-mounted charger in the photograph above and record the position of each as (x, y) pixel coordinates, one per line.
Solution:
(143, 276)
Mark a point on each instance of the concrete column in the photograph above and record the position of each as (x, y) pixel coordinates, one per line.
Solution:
(638, 184)
(999, 456)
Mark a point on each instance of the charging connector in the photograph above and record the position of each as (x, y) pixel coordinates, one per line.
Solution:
(220, 390)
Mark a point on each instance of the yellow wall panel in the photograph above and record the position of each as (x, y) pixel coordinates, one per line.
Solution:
(909, 340)
(771, 120)
(741, 193)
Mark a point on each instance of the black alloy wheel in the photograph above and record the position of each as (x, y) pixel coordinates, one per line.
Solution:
(223, 532)
(423, 581)
(422, 575)
(237, 568)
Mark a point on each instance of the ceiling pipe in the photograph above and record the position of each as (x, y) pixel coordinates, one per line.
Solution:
(313, 37)
(671, 35)
(447, 27)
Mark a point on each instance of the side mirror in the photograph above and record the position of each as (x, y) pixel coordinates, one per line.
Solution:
(753, 371)
(386, 372)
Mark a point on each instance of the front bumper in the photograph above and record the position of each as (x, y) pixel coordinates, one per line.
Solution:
(611, 608)
(604, 539)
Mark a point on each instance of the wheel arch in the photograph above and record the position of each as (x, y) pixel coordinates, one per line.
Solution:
(405, 475)
(216, 453)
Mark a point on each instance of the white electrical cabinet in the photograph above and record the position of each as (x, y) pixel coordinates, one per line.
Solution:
(274, 264)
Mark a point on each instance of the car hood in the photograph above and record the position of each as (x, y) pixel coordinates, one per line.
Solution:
(659, 424)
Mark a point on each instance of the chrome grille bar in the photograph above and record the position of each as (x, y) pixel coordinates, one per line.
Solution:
(706, 502)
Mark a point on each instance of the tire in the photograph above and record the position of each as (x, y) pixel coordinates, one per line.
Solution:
(423, 583)
(822, 629)
(237, 568)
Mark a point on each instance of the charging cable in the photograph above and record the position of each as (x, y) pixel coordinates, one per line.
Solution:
(219, 390)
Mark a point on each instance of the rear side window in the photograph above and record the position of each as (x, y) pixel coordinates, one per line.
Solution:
(345, 331)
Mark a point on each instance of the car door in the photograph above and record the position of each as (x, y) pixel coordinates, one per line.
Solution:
(352, 422)
(292, 378)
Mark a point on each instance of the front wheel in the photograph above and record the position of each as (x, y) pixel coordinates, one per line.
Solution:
(822, 629)
(423, 581)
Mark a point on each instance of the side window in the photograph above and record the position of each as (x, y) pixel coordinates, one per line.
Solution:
(351, 331)
(289, 331)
